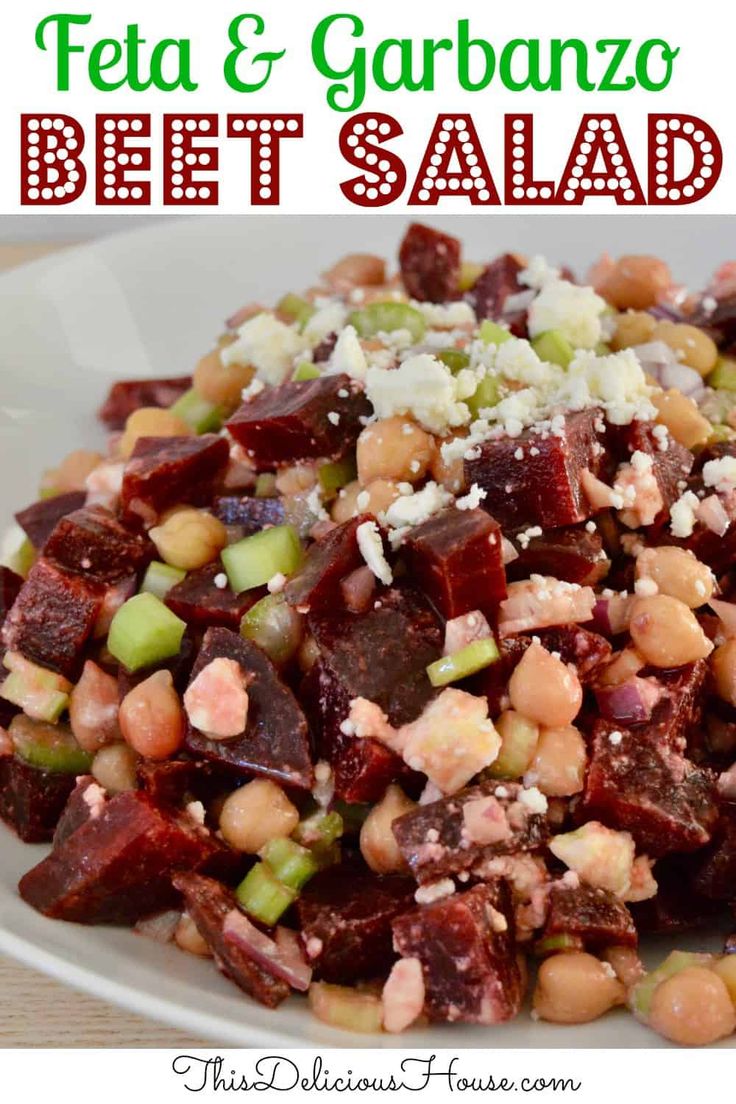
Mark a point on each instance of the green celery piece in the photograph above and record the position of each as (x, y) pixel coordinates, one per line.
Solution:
(387, 318)
(48, 747)
(160, 578)
(22, 559)
(723, 376)
(640, 997)
(491, 333)
(254, 560)
(486, 394)
(553, 347)
(320, 829)
(469, 273)
(720, 433)
(144, 632)
(263, 896)
(473, 657)
(269, 623)
(305, 371)
(515, 755)
(554, 943)
(43, 703)
(337, 474)
(296, 308)
(47, 492)
(292, 864)
(455, 359)
(200, 415)
(265, 485)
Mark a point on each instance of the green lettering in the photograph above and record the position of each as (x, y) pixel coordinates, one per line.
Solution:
(63, 45)
(620, 46)
(557, 48)
(97, 65)
(355, 71)
(642, 64)
(464, 45)
(231, 61)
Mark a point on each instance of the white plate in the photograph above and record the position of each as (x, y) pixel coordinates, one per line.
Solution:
(148, 302)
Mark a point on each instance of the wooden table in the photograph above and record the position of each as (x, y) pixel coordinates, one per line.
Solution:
(35, 1011)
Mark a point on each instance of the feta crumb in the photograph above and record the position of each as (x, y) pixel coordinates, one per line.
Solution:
(720, 473)
(534, 799)
(333, 417)
(276, 583)
(434, 891)
(423, 387)
(538, 272)
(682, 514)
(347, 357)
(371, 549)
(572, 310)
(615, 738)
(473, 499)
(418, 506)
(220, 580)
(268, 344)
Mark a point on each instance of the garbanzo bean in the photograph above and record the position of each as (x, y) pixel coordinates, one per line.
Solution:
(220, 383)
(575, 988)
(666, 633)
(71, 472)
(723, 664)
(692, 1008)
(681, 416)
(187, 538)
(558, 766)
(187, 937)
(373, 499)
(726, 969)
(151, 717)
(378, 845)
(150, 421)
(114, 768)
(677, 572)
(691, 345)
(394, 448)
(544, 689)
(633, 328)
(256, 813)
(93, 708)
(635, 282)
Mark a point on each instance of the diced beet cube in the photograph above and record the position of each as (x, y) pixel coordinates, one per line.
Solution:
(275, 743)
(456, 559)
(430, 264)
(10, 585)
(571, 554)
(198, 601)
(345, 918)
(680, 707)
(490, 291)
(640, 784)
(466, 946)
(300, 420)
(53, 617)
(677, 907)
(716, 877)
(128, 395)
(168, 471)
(595, 916)
(322, 352)
(117, 867)
(208, 902)
(435, 839)
(93, 543)
(670, 467)
(381, 654)
(78, 808)
(178, 781)
(32, 800)
(39, 520)
(534, 479)
(250, 513)
(317, 583)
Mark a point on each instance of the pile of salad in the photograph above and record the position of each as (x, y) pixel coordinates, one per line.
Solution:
(391, 657)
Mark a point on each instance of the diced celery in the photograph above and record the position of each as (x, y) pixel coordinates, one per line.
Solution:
(292, 864)
(473, 657)
(47, 492)
(337, 474)
(724, 374)
(387, 318)
(143, 632)
(266, 485)
(555, 943)
(319, 829)
(491, 333)
(48, 747)
(519, 739)
(275, 626)
(254, 560)
(202, 416)
(469, 273)
(160, 578)
(263, 896)
(351, 1009)
(42, 702)
(720, 433)
(296, 308)
(306, 371)
(486, 394)
(554, 348)
(640, 997)
(22, 559)
(455, 359)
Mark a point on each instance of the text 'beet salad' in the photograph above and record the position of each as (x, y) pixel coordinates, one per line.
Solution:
(394, 653)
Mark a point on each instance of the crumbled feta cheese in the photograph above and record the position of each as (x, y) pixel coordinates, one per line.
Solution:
(333, 417)
(447, 316)
(572, 310)
(254, 388)
(538, 272)
(434, 891)
(601, 856)
(720, 473)
(347, 357)
(534, 799)
(220, 580)
(473, 499)
(371, 549)
(268, 344)
(417, 506)
(682, 514)
(276, 583)
(423, 387)
(328, 319)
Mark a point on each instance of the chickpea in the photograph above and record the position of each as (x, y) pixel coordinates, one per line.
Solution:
(544, 689)
(692, 1008)
(380, 494)
(575, 988)
(256, 813)
(633, 328)
(723, 663)
(378, 845)
(187, 937)
(666, 632)
(151, 717)
(189, 538)
(394, 448)
(220, 383)
(626, 963)
(356, 270)
(296, 479)
(558, 766)
(114, 768)
(691, 345)
(681, 416)
(726, 969)
(151, 421)
(677, 572)
(449, 475)
(93, 708)
(635, 282)
(72, 472)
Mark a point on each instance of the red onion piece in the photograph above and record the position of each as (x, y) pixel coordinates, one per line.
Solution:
(160, 927)
(518, 301)
(726, 613)
(630, 702)
(712, 513)
(357, 589)
(611, 616)
(284, 959)
(683, 379)
(654, 357)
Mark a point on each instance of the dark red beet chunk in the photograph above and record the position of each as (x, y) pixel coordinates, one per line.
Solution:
(285, 424)
(317, 583)
(465, 944)
(208, 902)
(32, 800)
(434, 841)
(430, 264)
(198, 601)
(168, 471)
(716, 877)
(571, 554)
(350, 912)
(489, 292)
(250, 513)
(669, 467)
(275, 743)
(679, 710)
(128, 395)
(381, 655)
(676, 907)
(39, 520)
(93, 543)
(595, 916)
(456, 559)
(77, 810)
(53, 617)
(117, 867)
(10, 585)
(543, 487)
(643, 786)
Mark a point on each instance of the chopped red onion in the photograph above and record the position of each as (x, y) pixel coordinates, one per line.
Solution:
(159, 927)
(611, 616)
(631, 702)
(654, 357)
(357, 589)
(712, 513)
(282, 958)
(683, 378)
